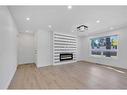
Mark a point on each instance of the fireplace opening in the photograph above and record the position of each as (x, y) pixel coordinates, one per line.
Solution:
(66, 56)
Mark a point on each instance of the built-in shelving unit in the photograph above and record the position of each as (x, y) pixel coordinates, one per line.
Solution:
(63, 43)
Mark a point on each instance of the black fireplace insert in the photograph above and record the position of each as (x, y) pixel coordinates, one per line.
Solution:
(66, 56)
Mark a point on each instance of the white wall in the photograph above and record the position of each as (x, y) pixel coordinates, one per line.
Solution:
(8, 47)
(80, 45)
(44, 49)
(25, 48)
(120, 61)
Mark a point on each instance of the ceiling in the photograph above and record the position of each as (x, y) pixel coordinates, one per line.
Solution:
(62, 19)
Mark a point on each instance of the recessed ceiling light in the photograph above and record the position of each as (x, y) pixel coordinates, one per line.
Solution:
(50, 26)
(69, 7)
(111, 28)
(98, 21)
(27, 31)
(27, 18)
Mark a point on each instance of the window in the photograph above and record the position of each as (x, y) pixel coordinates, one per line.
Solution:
(104, 46)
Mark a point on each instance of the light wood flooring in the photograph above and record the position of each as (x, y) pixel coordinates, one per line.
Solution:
(79, 75)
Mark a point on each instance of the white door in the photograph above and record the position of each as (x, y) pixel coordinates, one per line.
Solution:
(44, 48)
(26, 48)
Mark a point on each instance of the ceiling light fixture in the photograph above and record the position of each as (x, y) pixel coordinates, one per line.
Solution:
(98, 21)
(27, 31)
(69, 7)
(82, 28)
(50, 26)
(111, 28)
(27, 18)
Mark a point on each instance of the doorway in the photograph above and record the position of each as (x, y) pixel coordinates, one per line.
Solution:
(25, 48)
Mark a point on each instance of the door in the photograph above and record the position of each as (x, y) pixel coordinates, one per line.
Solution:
(26, 48)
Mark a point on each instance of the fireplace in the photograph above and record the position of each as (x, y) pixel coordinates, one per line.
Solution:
(66, 56)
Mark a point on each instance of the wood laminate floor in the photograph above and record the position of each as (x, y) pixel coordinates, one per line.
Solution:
(79, 75)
